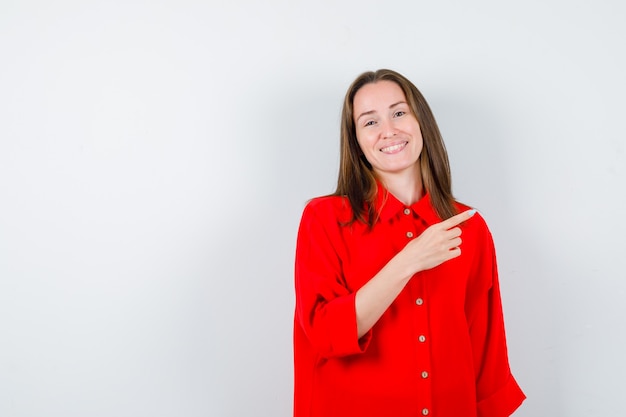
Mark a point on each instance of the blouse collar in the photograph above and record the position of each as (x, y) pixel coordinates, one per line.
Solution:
(389, 206)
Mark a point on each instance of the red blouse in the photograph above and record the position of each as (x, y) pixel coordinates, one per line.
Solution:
(438, 350)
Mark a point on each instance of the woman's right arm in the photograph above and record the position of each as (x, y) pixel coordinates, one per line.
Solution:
(324, 305)
(335, 319)
(436, 245)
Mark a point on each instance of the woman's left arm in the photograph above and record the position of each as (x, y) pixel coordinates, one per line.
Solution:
(498, 394)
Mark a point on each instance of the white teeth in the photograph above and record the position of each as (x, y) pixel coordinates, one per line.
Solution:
(393, 148)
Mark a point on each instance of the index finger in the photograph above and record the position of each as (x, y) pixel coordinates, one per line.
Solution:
(458, 219)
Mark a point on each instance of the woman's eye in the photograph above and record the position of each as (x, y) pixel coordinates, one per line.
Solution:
(399, 113)
(369, 123)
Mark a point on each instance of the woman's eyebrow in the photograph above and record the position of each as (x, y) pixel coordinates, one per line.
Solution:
(365, 113)
(374, 111)
(397, 104)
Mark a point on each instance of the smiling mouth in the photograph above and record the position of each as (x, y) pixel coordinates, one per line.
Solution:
(394, 148)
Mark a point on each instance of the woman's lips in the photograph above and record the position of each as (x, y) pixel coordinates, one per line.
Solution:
(394, 148)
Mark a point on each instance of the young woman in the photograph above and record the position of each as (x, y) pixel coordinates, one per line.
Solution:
(398, 308)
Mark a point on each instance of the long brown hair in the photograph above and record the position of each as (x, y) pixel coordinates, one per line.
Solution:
(356, 178)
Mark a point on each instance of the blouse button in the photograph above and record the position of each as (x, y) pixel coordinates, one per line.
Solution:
(425, 412)
(424, 374)
(422, 338)
(419, 301)
(407, 211)
(409, 234)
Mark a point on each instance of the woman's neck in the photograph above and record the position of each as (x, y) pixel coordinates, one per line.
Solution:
(406, 187)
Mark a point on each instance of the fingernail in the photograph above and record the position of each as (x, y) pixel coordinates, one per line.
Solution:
(472, 212)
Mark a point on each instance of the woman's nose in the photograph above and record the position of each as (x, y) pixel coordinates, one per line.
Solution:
(388, 130)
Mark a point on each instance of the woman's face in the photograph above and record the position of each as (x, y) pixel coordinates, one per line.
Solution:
(386, 129)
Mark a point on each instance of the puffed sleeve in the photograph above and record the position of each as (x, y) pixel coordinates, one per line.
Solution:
(498, 394)
(325, 307)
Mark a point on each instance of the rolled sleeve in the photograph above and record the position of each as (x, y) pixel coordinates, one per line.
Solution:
(503, 402)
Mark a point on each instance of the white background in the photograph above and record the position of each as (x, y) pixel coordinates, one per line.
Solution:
(155, 157)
